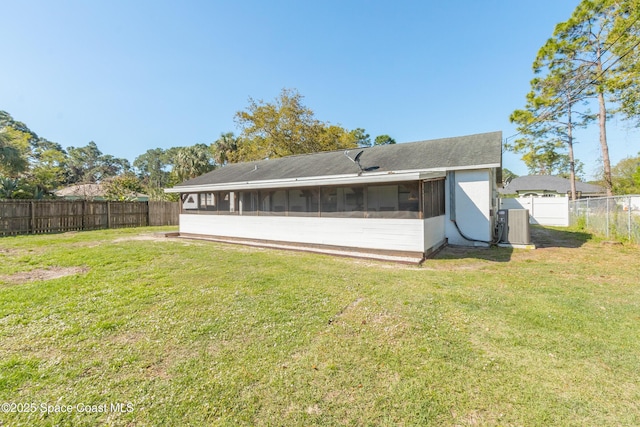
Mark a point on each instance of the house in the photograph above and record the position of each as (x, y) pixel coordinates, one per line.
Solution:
(549, 186)
(92, 191)
(399, 202)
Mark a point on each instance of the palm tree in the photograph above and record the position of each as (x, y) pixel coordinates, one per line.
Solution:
(225, 149)
(7, 187)
(192, 161)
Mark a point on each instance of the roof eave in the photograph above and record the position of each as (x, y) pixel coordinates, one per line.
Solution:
(363, 178)
(298, 182)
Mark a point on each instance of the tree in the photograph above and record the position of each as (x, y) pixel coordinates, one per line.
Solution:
(547, 123)
(154, 171)
(333, 137)
(225, 149)
(587, 37)
(364, 140)
(544, 157)
(112, 166)
(124, 187)
(36, 163)
(15, 140)
(626, 175)
(383, 140)
(48, 170)
(286, 127)
(7, 187)
(362, 137)
(87, 164)
(625, 44)
(83, 164)
(152, 167)
(587, 53)
(39, 166)
(507, 175)
(6, 120)
(193, 161)
(48, 161)
(19, 188)
(12, 162)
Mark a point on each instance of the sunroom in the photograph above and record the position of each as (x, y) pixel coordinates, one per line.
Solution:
(394, 202)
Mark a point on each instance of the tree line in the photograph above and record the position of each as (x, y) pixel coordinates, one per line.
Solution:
(592, 60)
(32, 167)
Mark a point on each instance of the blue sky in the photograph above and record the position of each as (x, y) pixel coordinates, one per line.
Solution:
(135, 75)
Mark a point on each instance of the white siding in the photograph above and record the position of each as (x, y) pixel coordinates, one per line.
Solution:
(473, 195)
(367, 233)
(542, 210)
(434, 234)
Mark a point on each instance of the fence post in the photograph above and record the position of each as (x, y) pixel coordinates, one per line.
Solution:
(108, 214)
(607, 217)
(32, 220)
(629, 216)
(532, 213)
(587, 213)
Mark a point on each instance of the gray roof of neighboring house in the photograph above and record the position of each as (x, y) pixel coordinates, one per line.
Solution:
(81, 190)
(548, 183)
(448, 153)
(88, 191)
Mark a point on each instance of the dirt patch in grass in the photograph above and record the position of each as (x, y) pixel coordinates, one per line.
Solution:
(342, 312)
(41, 274)
(155, 237)
(7, 251)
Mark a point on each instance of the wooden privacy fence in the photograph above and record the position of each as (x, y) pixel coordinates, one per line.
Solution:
(55, 216)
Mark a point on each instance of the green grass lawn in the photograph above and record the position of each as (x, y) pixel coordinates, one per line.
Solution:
(181, 332)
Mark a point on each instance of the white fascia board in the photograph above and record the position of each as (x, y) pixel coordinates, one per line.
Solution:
(365, 178)
(476, 167)
(301, 182)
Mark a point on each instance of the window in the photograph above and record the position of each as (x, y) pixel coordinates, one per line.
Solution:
(382, 198)
(433, 198)
(329, 200)
(208, 202)
(342, 201)
(273, 202)
(249, 203)
(304, 201)
(189, 201)
(408, 199)
(393, 201)
(227, 203)
(349, 201)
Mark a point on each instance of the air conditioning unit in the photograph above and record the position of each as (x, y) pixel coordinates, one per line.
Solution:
(513, 226)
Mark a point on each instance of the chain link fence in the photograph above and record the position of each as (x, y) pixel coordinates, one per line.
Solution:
(612, 217)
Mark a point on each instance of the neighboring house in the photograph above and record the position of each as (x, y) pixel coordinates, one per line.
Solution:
(399, 202)
(549, 186)
(92, 192)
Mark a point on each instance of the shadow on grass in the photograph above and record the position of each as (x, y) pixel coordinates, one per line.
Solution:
(546, 237)
(541, 237)
(494, 253)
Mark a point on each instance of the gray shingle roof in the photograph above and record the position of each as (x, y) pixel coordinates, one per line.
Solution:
(548, 183)
(89, 191)
(448, 153)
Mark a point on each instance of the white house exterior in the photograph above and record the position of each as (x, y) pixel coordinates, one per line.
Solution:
(400, 202)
